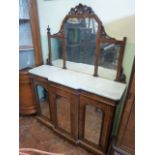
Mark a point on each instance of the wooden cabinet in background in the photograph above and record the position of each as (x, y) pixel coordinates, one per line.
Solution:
(29, 53)
(125, 140)
(26, 102)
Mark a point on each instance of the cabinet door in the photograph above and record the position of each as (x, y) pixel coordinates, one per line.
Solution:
(95, 124)
(65, 113)
(42, 98)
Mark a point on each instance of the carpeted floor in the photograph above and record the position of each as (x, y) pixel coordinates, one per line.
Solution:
(35, 135)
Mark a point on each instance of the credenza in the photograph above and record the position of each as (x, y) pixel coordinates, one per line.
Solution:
(77, 106)
(78, 89)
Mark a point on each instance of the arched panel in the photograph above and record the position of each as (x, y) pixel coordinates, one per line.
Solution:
(63, 113)
(93, 124)
(42, 97)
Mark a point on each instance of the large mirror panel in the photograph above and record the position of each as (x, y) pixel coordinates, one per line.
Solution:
(43, 101)
(108, 60)
(93, 124)
(63, 113)
(80, 35)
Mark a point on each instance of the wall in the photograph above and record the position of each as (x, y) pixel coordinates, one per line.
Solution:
(117, 17)
(119, 28)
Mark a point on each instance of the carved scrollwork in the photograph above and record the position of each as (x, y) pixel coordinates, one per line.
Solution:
(104, 34)
(81, 9)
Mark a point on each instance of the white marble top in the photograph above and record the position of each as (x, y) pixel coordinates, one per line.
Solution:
(87, 69)
(76, 80)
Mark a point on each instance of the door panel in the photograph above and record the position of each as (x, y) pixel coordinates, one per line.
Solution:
(65, 103)
(93, 124)
(42, 95)
(63, 113)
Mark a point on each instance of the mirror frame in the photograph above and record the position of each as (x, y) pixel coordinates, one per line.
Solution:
(83, 11)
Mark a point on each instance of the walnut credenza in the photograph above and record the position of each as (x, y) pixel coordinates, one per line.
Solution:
(77, 106)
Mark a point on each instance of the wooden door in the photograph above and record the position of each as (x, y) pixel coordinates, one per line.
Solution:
(95, 124)
(126, 135)
(65, 103)
(42, 98)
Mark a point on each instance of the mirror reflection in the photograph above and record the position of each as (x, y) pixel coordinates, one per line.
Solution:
(63, 113)
(93, 121)
(108, 60)
(57, 53)
(80, 34)
(43, 101)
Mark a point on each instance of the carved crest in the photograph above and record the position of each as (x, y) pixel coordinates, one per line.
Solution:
(81, 9)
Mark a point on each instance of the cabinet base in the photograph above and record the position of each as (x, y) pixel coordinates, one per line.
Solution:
(49, 125)
(115, 150)
(27, 111)
(70, 139)
(89, 148)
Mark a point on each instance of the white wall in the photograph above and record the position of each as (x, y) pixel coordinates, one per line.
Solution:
(53, 11)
